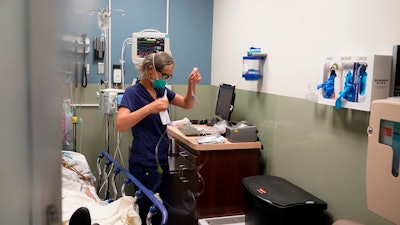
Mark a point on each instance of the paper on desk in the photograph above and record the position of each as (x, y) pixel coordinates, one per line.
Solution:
(211, 139)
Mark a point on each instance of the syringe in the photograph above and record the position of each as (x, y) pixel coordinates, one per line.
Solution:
(195, 70)
(164, 114)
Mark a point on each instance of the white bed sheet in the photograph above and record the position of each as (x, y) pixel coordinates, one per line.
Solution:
(78, 191)
(118, 212)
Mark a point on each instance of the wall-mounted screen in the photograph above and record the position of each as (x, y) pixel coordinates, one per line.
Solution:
(148, 41)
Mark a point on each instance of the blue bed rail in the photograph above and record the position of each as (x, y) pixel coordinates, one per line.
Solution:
(157, 204)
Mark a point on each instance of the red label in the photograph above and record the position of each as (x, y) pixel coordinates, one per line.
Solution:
(387, 131)
(261, 190)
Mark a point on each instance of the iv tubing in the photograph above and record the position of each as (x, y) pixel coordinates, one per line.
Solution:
(122, 61)
(156, 150)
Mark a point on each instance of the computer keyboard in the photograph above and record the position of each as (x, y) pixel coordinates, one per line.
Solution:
(189, 130)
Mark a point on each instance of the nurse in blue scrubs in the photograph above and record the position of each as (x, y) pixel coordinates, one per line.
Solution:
(140, 111)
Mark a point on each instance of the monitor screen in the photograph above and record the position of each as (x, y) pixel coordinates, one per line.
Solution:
(146, 46)
(225, 101)
(148, 41)
(119, 98)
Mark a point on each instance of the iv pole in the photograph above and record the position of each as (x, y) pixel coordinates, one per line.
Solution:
(108, 56)
(104, 23)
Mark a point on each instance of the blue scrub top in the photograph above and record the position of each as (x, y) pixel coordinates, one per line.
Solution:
(147, 133)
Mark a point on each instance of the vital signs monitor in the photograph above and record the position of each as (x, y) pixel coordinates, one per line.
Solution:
(148, 41)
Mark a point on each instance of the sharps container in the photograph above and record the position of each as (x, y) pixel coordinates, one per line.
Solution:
(253, 67)
(272, 200)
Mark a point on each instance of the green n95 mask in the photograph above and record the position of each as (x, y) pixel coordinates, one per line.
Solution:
(159, 83)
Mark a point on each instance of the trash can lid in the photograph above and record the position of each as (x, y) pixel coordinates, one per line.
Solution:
(280, 192)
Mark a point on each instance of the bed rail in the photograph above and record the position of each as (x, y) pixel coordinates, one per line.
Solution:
(158, 205)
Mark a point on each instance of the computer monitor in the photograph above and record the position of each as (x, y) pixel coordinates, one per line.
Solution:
(225, 101)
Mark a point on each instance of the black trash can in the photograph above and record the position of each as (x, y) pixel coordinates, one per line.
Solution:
(272, 200)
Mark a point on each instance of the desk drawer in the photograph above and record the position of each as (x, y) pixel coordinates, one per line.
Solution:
(186, 153)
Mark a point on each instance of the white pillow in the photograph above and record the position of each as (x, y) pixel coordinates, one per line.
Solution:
(79, 162)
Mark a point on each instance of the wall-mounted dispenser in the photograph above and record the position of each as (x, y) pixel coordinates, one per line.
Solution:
(253, 67)
(355, 81)
(253, 64)
(382, 165)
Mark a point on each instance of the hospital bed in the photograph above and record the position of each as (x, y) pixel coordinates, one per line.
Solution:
(78, 190)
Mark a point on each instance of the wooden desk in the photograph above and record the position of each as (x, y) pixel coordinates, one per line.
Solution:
(191, 142)
(213, 173)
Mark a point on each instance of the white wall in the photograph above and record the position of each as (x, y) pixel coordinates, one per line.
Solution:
(297, 35)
